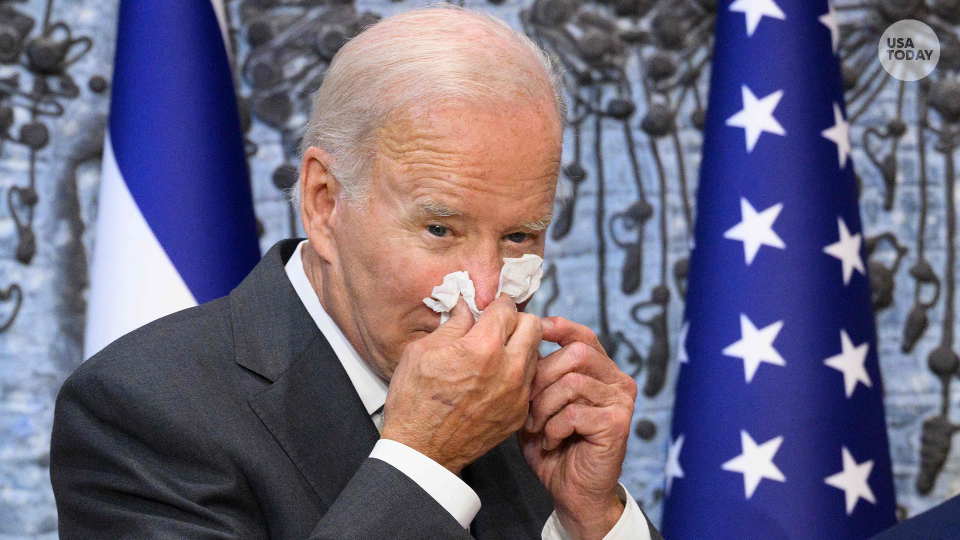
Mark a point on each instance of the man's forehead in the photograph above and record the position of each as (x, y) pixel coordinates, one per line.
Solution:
(470, 161)
(532, 126)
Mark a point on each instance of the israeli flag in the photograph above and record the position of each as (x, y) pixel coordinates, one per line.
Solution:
(176, 225)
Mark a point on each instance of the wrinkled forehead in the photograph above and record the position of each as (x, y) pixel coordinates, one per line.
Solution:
(454, 154)
(508, 136)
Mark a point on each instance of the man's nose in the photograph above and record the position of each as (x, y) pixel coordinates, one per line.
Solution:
(485, 274)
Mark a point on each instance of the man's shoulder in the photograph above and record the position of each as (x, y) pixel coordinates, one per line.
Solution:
(167, 395)
(181, 352)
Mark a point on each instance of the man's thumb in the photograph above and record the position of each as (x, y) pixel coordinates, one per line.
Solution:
(460, 321)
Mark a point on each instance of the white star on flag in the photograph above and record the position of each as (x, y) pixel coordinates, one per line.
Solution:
(673, 462)
(755, 229)
(829, 20)
(853, 481)
(755, 10)
(847, 249)
(839, 134)
(682, 343)
(756, 116)
(850, 362)
(756, 462)
(755, 346)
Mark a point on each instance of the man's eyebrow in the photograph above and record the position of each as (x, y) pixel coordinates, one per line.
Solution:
(436, 209)
(538, 225)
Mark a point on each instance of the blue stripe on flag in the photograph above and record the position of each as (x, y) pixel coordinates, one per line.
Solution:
(176, 133)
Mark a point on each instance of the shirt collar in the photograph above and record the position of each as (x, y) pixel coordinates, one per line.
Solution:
(371, 388)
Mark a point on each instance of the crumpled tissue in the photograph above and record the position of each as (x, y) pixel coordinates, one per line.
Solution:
(520, 278)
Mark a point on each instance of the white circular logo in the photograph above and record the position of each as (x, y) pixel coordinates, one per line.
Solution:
(909, 50)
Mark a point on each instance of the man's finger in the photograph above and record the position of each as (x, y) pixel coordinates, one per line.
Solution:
(564, 332)
(590, 422)
(524, 344)
(575, 357)
(498, 319)
(571, 388)
(459, 323)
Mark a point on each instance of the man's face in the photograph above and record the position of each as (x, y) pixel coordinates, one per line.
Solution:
(457, 188)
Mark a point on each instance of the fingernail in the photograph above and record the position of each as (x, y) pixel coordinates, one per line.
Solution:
(545, 445)
(547, 324)
(528, 425)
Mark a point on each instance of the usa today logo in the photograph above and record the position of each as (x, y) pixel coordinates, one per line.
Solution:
(909, 50)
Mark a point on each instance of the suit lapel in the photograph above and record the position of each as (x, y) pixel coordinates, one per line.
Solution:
(313, 411)
(311, 408)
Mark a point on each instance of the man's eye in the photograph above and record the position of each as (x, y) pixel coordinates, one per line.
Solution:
(518, 237)
(437, 230)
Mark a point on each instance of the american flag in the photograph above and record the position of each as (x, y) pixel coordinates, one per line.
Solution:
(778, 429)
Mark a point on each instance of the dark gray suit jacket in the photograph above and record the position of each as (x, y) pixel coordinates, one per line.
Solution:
(235, 419)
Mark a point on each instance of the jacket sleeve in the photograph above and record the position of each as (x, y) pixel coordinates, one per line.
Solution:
(382, 502)
(124, 463)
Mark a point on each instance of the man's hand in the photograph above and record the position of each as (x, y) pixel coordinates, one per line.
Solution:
(576, 437)
(464, 388)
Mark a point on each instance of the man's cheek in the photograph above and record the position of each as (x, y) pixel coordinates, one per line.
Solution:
(422, 272)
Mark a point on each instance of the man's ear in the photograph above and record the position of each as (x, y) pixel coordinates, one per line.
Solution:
(319, 189)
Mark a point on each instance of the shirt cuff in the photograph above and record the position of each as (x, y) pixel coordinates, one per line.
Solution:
(631, 526)
(453, 494)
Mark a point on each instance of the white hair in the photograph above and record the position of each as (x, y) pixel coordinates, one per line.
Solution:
(416, 59)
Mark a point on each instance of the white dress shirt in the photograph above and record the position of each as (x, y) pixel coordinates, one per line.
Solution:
(452, 493)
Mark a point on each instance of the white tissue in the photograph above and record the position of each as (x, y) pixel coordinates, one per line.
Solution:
(445, 295)
(519, 277)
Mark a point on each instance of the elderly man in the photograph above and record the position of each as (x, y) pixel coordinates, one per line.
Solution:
(322, 398)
